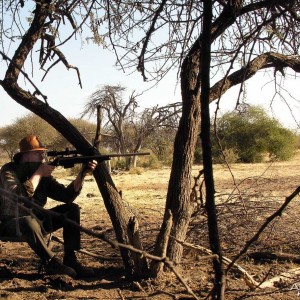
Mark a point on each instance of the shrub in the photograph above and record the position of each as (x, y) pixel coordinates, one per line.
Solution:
(151, 162)
(253, 135)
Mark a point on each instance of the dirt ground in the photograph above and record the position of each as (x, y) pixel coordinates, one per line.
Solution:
(246, 195)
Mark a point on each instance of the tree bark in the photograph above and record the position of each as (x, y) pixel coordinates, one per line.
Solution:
(157, 267)
(178, 196)
(141, 269)
(99, 117)
(213, 231)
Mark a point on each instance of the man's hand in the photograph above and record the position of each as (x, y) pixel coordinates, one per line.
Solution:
(89, 168)
(44, 170)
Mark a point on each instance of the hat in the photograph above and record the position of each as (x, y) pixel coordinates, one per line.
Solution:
(31, 143)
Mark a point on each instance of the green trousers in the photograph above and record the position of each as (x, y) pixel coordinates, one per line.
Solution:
(34, 228)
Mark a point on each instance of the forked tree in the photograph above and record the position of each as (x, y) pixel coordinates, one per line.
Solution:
(246, 37)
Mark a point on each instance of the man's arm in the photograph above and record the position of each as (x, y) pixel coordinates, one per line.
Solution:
(60, 192)
(10, 181)
(44, 170)
(89, 168)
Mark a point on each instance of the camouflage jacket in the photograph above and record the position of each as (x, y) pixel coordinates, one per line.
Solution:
(14, 178)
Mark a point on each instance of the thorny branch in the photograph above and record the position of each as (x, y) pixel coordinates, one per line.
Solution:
(61, 57)
(141, 63)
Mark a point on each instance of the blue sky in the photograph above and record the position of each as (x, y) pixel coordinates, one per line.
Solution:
(97, 67)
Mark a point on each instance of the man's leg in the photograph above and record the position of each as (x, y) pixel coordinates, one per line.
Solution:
(71, 234)
(31, 229)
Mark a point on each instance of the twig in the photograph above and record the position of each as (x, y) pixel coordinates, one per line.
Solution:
(141, 63)
(120, 294)
(249, 280)
(278, 213)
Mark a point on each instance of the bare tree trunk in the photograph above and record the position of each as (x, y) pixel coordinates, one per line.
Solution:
(213, 232)
(141, 269)
(97, 140)
(134, 159)
(161, 250)
(178, 196)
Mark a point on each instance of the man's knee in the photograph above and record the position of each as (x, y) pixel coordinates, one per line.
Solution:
(74, 207)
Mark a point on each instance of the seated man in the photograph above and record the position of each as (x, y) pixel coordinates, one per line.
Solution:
(30, 177)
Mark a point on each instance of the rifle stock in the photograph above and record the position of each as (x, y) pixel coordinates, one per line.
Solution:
(70, 161)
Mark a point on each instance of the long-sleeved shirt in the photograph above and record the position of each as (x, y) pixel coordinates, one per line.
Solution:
(14, 177)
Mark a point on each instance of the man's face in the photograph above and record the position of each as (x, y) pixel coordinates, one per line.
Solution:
(35, 156)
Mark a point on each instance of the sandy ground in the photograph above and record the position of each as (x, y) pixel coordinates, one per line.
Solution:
(246, 195)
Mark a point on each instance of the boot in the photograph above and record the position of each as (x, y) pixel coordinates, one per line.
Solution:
(55, 266)
(82, 271)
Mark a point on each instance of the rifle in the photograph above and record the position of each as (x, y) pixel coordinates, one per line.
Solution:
(69, 158)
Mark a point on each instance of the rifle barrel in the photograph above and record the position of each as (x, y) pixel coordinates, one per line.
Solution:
(70, 161)
(126, 154)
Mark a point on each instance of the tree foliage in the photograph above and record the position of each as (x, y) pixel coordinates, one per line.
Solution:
(253, 135)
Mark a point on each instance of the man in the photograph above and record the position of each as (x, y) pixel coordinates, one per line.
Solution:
(29, 176)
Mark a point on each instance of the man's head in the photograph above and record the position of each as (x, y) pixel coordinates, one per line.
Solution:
(31, 148)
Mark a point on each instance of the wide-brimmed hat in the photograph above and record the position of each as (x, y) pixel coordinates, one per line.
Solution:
(29, 143)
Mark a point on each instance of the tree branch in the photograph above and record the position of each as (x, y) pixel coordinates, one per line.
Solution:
(37, 90)
(277, 213)
(141, 58)
(263, 61)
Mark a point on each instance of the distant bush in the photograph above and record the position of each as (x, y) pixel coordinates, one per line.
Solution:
(250, 136)
(151, 162)
(253, 135)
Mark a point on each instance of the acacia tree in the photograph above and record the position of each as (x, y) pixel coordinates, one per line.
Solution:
(246, 36)
(125, 125)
